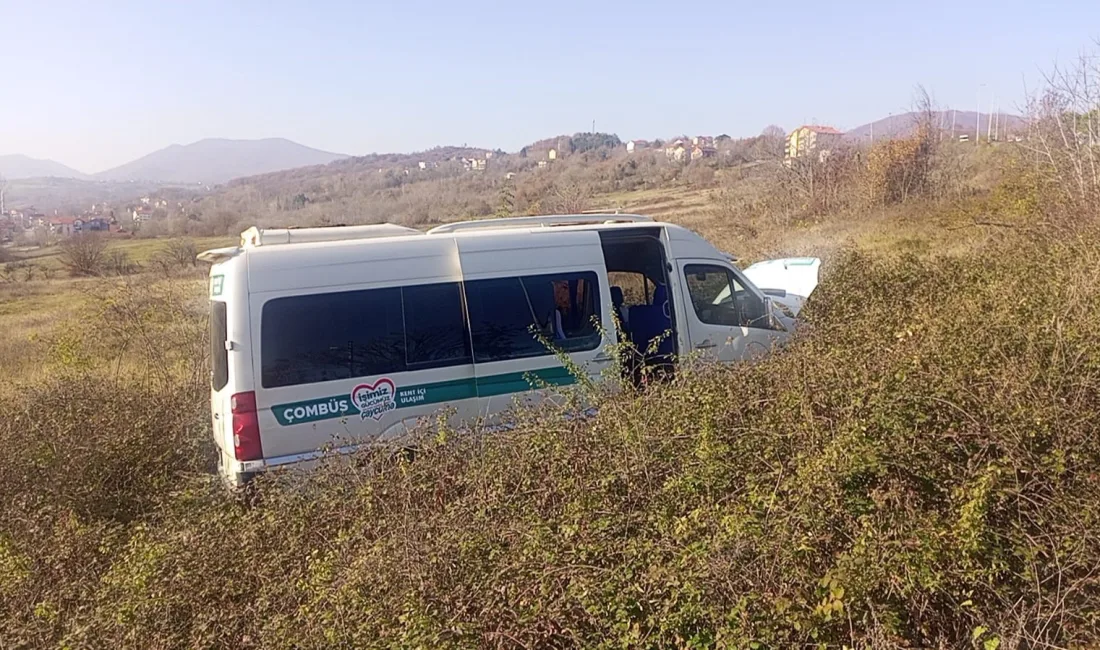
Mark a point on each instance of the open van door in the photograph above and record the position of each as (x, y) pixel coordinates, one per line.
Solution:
(727, 318)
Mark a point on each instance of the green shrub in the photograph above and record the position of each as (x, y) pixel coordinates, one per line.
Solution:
(918, 469)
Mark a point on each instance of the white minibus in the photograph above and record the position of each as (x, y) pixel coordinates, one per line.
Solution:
(335, 337)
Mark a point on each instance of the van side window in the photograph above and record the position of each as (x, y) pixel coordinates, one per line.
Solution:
(561, 308)
(435, 326)
(564, 307)
(719, 299)
(499, 320)
(322, 337)
(219, 356)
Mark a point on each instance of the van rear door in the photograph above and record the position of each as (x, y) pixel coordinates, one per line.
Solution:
(219, 370)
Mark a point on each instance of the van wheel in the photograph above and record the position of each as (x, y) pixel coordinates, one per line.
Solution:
(247, 492)
(410, 453)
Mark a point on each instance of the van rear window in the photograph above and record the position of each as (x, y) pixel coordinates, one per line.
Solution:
(348, 334)
(219, 356)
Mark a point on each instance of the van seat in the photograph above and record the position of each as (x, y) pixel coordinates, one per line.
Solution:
(648, 322)
(617, 305)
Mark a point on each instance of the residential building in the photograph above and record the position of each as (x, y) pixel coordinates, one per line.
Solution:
(702, 141)
(677, 151)
(698, 152)
(812, 140)
(96, 224)
(65, 226)
(634, 145)
(552, 154)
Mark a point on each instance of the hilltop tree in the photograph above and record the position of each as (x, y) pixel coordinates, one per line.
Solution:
(582, 142)
(773, 131)
(506, 205)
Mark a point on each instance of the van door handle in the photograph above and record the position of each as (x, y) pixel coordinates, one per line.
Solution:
(603, 358)
(706, 345)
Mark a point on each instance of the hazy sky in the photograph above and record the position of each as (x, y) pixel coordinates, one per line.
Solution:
(94, 84)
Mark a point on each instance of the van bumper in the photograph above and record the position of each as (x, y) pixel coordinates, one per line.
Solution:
(238, 472)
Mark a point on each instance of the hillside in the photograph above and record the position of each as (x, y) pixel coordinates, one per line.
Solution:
(902, 475)
(15, 166)
(962, 121)
(217, 160)
(72, 195)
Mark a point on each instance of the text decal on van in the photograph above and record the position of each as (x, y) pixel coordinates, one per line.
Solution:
(373, 400)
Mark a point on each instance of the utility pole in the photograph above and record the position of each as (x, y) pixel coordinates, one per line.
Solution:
(3, 188)
(989, 122)
(952, 125)
(978, 126)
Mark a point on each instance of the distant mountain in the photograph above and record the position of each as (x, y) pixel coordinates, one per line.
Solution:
(19, 166)
(963, 121)
(216, 160)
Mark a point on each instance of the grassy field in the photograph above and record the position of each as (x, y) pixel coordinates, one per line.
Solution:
(141, 251)
(918, 469)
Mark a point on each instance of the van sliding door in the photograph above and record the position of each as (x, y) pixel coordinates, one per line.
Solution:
(523, 326)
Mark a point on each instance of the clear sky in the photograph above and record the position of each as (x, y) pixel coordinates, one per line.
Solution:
(95, 83)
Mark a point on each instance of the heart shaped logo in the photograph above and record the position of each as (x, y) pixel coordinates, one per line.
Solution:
(375, 400)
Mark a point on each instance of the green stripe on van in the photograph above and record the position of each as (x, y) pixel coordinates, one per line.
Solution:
(341, 406)
(517, 382)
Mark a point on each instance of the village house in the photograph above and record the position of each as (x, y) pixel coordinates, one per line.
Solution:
(552, 154)
(676, 152)
(474, 164)
(698, 152)
(812, 140)
(702, 141)
(634, 145)
(96, 224)
(65, 226)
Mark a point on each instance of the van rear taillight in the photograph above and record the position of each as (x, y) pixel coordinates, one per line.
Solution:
(246, 427)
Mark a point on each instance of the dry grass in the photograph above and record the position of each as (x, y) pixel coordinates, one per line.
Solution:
(917, 470)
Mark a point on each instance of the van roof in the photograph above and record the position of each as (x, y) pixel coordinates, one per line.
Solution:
(318, 237)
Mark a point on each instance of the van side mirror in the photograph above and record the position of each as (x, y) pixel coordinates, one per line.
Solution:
(773, 319)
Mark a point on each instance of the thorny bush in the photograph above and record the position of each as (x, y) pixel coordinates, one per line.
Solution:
(919, 469)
